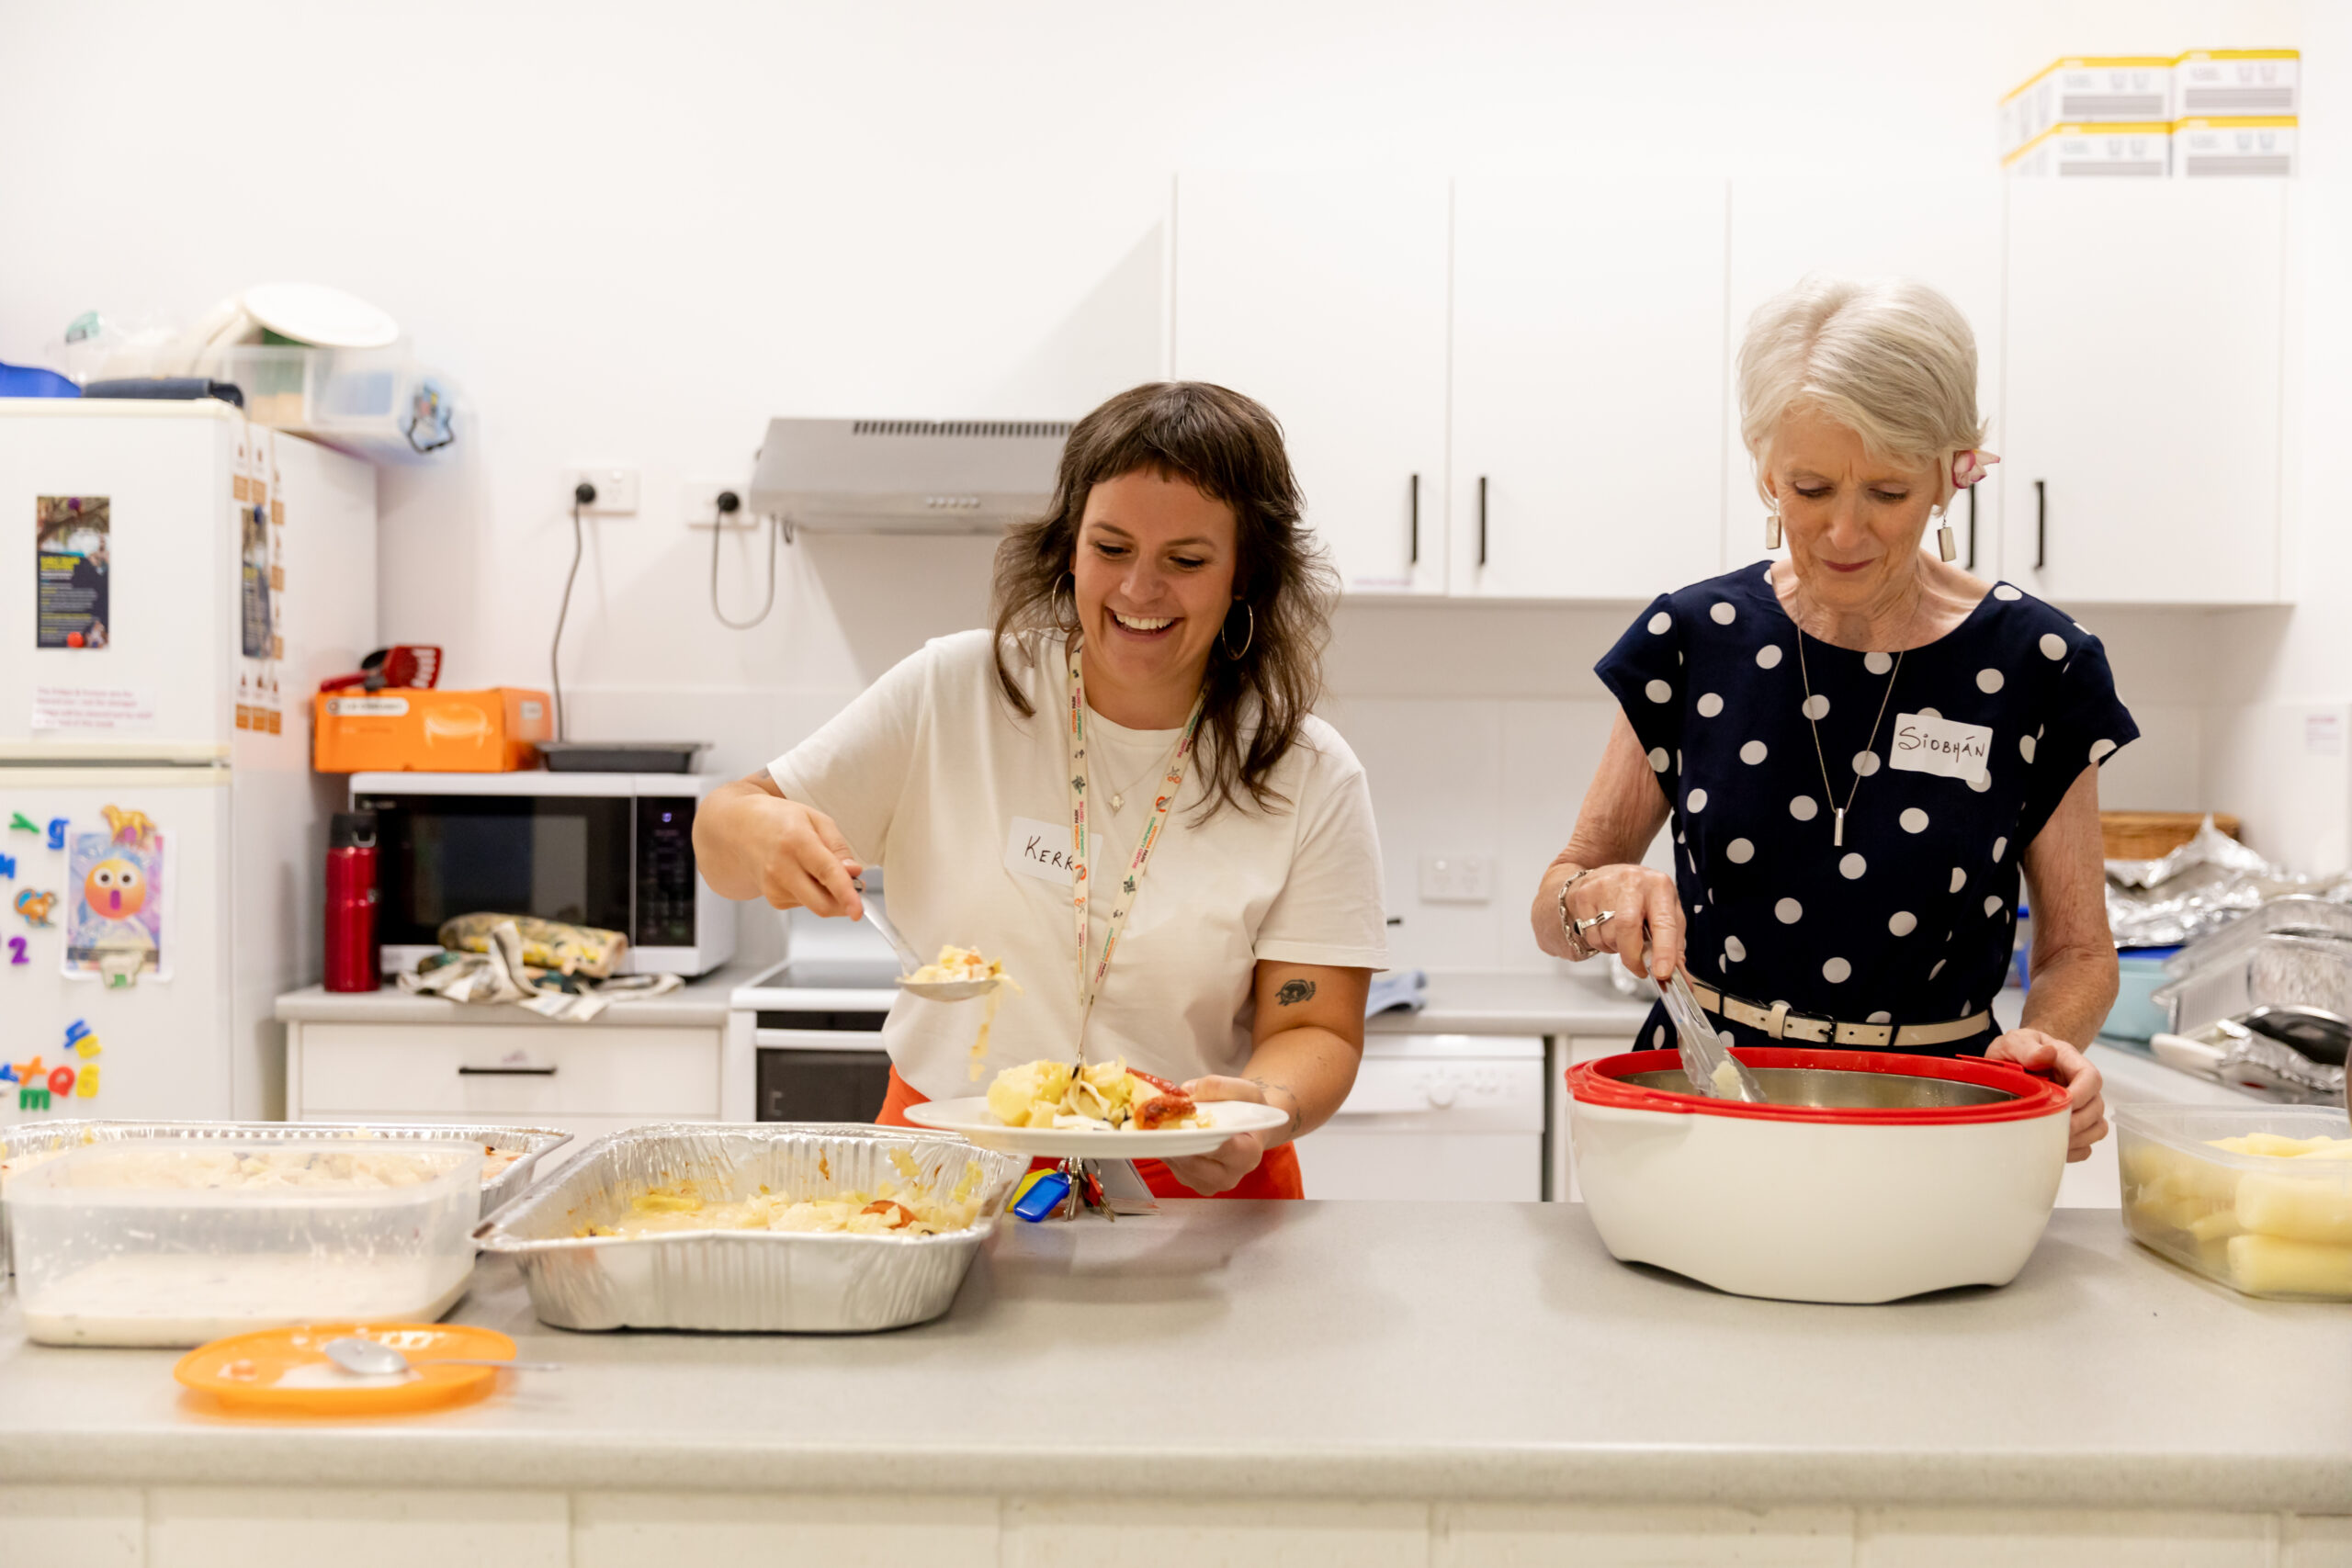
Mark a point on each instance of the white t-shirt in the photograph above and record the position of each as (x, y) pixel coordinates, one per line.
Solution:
(931, 774)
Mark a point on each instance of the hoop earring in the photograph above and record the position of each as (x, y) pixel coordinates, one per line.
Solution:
(1225, 636)
(1772, 530)
(1068, 623)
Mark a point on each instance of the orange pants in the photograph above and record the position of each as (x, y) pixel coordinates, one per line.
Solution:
(1276, 1176)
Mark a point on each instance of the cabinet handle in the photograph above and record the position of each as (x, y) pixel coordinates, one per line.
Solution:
(1971, 527)
(506, 1072)
(1482, 520)
(1413, 553)
(2041, 525)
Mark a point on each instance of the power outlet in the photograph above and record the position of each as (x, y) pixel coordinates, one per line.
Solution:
(698, 504)
(615, 489)
(1457, 879)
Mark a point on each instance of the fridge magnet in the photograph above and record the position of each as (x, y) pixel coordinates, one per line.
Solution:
(31, 1098)
(135, 827)
(9, 867)
(115, 916)
(86, 1085)
(71, 607)
(35, 905)
(17, 953)
(57, 832)
(20, 823)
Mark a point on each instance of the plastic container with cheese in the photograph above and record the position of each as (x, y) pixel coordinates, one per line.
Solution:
(181, 1241)
(2259, 1198)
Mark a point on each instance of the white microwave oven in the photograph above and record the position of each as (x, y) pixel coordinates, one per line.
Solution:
(614, 850)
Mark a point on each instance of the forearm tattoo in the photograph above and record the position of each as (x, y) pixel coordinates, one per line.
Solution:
(1293, 992)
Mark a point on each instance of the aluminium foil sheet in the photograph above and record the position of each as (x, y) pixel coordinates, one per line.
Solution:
(35, 1139)
(745, 1281)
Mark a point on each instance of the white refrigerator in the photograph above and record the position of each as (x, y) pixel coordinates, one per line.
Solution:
(177, 581)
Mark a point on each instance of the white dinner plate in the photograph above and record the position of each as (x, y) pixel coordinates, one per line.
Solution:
(974, 1120)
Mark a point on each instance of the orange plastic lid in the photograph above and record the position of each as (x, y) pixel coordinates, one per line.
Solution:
(284, 1370)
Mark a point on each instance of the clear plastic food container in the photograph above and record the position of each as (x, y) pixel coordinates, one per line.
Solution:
(180, 1241)
(2265, 1223)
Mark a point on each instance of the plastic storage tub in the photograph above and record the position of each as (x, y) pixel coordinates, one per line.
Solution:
(180, 1241)
(2262, 1225)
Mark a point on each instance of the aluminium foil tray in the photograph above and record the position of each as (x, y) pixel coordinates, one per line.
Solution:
(744, 1281)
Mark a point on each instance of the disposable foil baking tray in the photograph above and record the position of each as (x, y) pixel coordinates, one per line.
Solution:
(527, 1143)
(2276, 969)
(744, 1281)
(2300, 914)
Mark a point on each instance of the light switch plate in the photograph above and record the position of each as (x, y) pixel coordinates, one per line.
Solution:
(1457, 879)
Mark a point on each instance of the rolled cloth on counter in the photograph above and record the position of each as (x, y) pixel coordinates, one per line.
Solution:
(498, 974)
(547, 944)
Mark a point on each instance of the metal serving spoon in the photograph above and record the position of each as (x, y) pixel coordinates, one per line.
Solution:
(909, 961)
(373, 1359)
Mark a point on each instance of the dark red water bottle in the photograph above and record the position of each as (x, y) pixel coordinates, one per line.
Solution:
(351, 902)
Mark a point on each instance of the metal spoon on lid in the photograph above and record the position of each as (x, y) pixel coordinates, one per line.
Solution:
(373, 1359)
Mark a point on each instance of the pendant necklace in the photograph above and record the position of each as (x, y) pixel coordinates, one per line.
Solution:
(1869, 746)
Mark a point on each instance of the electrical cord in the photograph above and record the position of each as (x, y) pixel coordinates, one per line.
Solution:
(727, 504)
(583, 494)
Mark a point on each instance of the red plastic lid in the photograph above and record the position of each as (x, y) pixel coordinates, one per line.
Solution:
(1603, 1083)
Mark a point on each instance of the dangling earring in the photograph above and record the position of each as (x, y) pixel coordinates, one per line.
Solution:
(1066, 623)
(1944, 546)
(1772, 530)
(1248, 637)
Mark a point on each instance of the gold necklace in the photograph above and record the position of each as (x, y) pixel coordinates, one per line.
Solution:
(1869, 746)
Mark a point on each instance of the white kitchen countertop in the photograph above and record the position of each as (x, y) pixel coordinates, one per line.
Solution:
(1347, 1350)
(698, 1004)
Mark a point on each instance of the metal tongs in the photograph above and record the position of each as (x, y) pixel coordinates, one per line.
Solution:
(1704, 1052)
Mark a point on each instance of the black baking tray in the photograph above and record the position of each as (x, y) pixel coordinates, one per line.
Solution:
(621, 756)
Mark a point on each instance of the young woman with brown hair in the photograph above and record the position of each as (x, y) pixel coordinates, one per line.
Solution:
(1131, 743)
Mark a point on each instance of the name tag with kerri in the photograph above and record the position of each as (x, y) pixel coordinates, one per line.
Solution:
(1040, 850)
(1930, 743)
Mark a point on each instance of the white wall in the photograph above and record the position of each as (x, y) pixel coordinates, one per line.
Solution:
(636, 232)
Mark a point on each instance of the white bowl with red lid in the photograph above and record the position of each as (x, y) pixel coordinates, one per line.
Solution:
(1875, 1174)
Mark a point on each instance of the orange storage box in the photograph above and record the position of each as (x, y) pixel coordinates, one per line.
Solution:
(414, 730)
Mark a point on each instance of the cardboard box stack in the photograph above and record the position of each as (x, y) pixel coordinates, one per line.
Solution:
(2208, 113)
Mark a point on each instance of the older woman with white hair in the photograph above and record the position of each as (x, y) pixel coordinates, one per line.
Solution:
(1860, 747)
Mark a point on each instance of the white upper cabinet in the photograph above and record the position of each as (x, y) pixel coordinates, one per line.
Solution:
(1948, 237)
(1587, 386)
(2143, 418)
(1324, 297)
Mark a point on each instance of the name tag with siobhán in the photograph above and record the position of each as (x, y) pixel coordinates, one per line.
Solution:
(1930, 743)
(1040, 850)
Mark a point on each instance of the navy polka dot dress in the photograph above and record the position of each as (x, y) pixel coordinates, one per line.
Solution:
(1912, 919)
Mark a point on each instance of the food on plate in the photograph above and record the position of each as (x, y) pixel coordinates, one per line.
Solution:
(911, 1209)
(1104, 1097)
(2285, 1229)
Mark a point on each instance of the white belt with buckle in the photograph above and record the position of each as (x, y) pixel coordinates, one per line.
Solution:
(1779, 1022)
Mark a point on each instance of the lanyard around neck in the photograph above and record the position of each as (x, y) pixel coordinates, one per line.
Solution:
(1090, 982)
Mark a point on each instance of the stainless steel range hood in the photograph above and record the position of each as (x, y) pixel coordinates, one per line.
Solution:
(906, 476)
